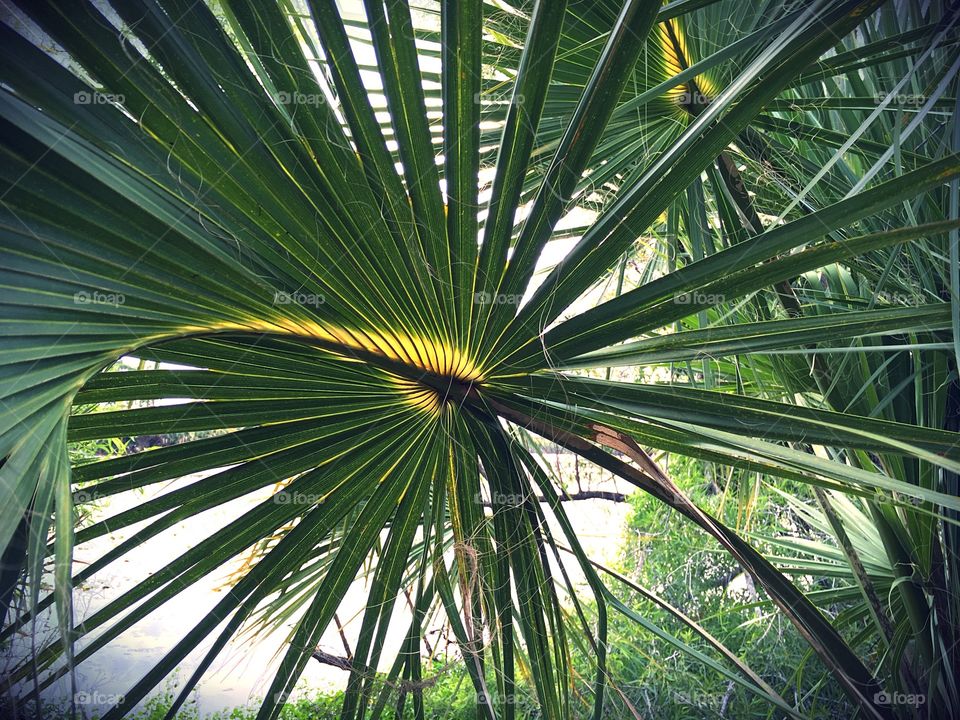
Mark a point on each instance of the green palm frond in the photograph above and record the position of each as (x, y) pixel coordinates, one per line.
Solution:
(333, 285)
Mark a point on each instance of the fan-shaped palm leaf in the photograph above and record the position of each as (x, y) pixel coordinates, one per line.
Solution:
(181, 184)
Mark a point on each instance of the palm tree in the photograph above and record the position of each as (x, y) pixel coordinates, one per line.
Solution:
(336, 286)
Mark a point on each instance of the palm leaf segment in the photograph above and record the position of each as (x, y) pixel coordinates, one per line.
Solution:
(180, 185)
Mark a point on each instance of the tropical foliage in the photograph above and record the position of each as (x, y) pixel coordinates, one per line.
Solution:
(323, 226)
